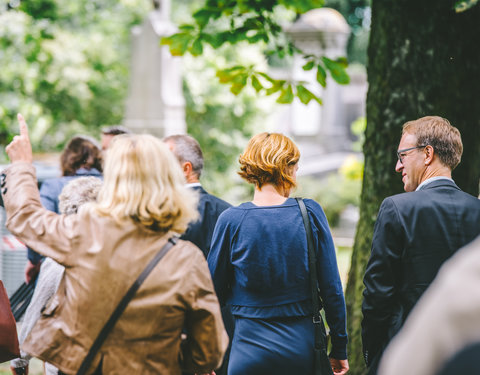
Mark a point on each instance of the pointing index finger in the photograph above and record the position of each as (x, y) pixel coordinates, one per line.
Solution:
(23, 125)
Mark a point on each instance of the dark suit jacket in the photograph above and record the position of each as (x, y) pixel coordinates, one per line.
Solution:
(200, 232)
(414, 234)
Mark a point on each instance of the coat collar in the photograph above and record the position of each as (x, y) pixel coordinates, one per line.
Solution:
(438, 183)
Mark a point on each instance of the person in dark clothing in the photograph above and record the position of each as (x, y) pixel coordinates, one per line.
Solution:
(189, 154)
(259, 264)
(416, 231)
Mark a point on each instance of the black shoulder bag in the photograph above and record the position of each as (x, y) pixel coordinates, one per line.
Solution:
(322, 364)
(123, 305)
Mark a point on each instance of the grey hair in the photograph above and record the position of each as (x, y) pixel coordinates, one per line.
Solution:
(78, 192)
(188, 149)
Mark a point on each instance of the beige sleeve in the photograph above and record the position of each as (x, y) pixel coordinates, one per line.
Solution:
(207, 339)
(48, 233)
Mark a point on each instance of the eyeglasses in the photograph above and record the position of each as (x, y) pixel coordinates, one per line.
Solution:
(400, 152)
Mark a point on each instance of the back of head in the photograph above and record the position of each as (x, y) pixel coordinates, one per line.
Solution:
(115, 130)
(143, 182)
(269, 159)
(441, 135)
(186, 148)
(80, 152)
(78, 192)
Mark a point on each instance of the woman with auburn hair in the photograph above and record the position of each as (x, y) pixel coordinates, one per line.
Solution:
(259, 265)
(142, 205)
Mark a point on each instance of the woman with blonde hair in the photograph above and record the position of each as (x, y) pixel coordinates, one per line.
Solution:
(141, 206)
(259, 265)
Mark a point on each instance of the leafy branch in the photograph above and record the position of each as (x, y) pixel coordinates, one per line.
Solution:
(221, 22)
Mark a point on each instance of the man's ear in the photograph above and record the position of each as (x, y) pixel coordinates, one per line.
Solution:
(187, 168)
(429, 153)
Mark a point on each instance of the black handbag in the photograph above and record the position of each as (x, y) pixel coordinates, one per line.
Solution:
(123, 305)
(322, 364)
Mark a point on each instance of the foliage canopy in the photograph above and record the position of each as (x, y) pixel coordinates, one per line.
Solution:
(220, 22)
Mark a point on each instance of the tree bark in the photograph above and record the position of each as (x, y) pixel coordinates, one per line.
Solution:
(424, 59)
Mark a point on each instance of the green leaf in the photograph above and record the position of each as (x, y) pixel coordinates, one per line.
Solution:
(240, 78)
(286, 95)
(202, 16)
(267, 77)
(256, 84)
(302, 6)
(309, 65)
(276, 86)
(236, 88)
(214, 40)
(304, 94)
(463, 5)
(231, 74)
(178, 43)
(186, 27)
(197, 47)
(224, 77)
(337, 70)
(321, 75)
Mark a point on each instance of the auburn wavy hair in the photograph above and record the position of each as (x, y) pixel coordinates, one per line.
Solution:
(269, 158)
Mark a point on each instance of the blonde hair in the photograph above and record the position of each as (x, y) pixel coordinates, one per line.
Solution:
(269, 158)
(143, 182)
(441, 135)
(77, 192)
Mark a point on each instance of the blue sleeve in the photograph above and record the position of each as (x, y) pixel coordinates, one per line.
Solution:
(219, 260)
(49, 196)
(329, 282)
(50, 202)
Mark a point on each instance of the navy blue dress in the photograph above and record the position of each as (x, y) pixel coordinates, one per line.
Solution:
(259, 265)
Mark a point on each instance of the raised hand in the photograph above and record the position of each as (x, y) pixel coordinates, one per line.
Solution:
(20, 149)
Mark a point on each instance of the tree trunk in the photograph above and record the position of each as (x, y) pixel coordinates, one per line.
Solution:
(424, 59)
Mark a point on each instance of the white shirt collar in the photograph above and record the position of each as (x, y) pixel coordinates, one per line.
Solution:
(193, 184)
(431, 179)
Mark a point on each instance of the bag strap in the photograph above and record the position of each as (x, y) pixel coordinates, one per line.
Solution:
(320, 341)
(123, 305)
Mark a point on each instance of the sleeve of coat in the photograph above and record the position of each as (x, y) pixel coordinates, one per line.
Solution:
(207, 340)
(48, 233)
(380, 280)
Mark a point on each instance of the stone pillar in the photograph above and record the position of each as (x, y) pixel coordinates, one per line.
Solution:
(320, 32)
(155, 102)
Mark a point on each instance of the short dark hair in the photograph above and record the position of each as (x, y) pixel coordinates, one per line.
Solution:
(188, 149)
(80, 152)
(115, 130)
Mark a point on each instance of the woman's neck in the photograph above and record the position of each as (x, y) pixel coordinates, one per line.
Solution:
(268, 196)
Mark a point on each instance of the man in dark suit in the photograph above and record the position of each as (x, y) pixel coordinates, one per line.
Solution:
(416, 231)
(189, 154)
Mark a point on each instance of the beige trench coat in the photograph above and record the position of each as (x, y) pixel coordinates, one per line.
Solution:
(102, 259)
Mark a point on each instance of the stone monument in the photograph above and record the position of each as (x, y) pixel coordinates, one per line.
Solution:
(320, 32)
(155, 102)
